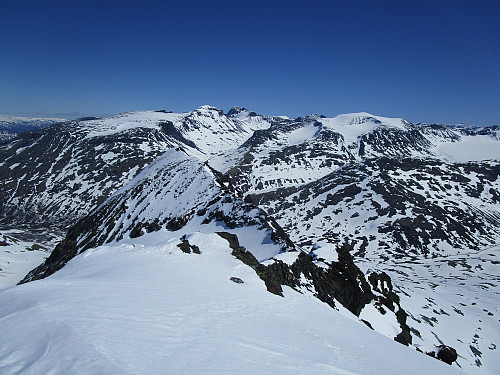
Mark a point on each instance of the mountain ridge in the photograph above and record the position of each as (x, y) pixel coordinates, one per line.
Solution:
(356, 197)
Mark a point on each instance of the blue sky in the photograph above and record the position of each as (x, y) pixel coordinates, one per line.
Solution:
(426, 61)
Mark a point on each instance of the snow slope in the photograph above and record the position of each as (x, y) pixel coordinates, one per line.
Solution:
(452, 299)
(144, 307)
(22, 250)
(127, 121)
(470, 148)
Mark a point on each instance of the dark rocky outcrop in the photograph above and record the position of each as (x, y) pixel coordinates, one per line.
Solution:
(447, 354)
(382, 284)
(272, 283)
(186, 247)
(341, 281)
(168, 128)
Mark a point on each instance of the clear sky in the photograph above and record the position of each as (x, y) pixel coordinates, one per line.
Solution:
(426, 61)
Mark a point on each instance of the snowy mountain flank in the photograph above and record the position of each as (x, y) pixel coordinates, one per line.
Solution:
(234, 242)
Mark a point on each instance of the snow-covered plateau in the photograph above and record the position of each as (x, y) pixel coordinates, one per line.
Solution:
(211, 242)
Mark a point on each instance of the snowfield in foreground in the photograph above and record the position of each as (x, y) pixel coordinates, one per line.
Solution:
(144, 307)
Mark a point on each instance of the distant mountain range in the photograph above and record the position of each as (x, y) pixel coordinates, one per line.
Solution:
(394, 224)
(10, 126)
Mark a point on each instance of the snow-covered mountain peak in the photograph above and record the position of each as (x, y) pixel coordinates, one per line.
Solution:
(208, 107)
(208, 110)
(214, 132)
(240, 112)
(129, 120)
(359, 118)
(235, 111)
(354, 125)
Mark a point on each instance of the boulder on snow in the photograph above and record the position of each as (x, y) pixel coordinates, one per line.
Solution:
(236, 280)
(186, 247)
(447, 354)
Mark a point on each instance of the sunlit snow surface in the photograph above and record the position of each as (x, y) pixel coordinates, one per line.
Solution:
(453, 298)
(130, 120)
(21, 251)
(354, 125)
(470, 148)
(144, 307)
